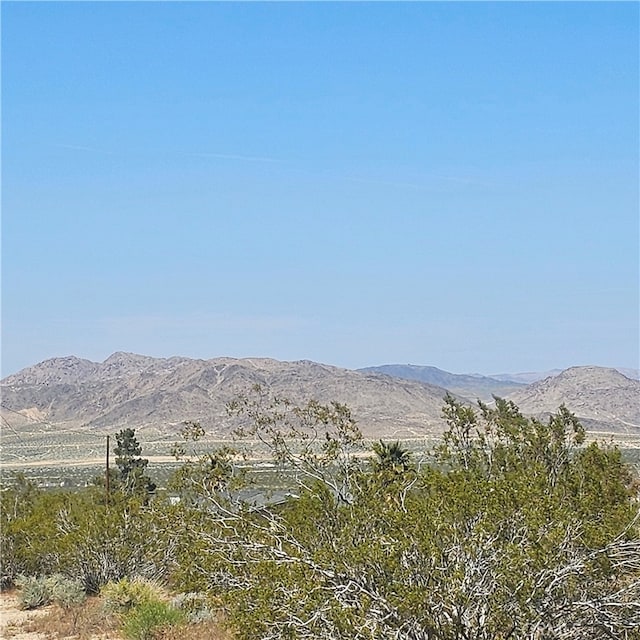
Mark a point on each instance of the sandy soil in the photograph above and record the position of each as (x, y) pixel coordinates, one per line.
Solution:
(12, 617)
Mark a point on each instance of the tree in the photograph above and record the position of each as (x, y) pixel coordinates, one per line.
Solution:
(313, 442)
(131, 466)
(392, 457)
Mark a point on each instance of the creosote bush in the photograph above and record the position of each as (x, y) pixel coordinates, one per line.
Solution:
(143, 621)
(516, 530)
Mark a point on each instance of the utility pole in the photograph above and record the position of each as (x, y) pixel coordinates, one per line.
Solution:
(108, 474)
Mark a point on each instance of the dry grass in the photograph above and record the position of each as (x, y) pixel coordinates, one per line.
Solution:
(90, 622)
(211, 630)
(83, 622)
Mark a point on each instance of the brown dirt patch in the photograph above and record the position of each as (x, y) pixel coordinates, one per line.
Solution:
(12, 618)
(87, 622)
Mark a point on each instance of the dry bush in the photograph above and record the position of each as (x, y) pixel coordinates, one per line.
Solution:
(82, 622)
(211, 629)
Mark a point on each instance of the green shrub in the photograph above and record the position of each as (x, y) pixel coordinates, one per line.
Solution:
(67, 592)
(32, 592)
(39, 591)
(141, 622)
(103, 544)
(124, 595)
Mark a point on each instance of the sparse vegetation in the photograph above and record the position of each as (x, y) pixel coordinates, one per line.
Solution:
(86, 621)
(513, 528)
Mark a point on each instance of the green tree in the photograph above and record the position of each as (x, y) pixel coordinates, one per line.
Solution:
(131, 466)
(392, 457)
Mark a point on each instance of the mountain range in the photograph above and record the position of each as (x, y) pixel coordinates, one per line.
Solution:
(468, 385)
(152, 393)
(390, 401)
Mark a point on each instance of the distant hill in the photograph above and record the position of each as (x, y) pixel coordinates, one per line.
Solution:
(602, 398)
(129, 390)
(534, 376)
(634, 374)
(472, 386)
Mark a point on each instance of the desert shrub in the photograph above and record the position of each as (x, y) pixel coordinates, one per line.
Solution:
(28, 526)
(32, 592)
(39, 591)
(9, 568)
(195, 606)
(143, 621)
(101, 543)
(16, 502)
(125, 594)
(66, 592)
(78, 534)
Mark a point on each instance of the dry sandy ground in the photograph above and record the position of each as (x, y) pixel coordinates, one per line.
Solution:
(12, 617)
(14, 623)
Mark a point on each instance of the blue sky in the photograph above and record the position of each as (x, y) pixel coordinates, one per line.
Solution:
(451, 184)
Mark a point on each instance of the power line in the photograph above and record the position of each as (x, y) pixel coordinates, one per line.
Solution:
(49, 424)
(8, 424)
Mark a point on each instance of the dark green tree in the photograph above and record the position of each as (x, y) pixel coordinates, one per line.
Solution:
(131, 466)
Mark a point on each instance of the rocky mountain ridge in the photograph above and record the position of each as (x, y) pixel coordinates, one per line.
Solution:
(160, 393)
(603, 398)
(144, 392)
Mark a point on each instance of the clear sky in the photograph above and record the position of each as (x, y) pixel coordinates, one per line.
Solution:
(447, 184)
